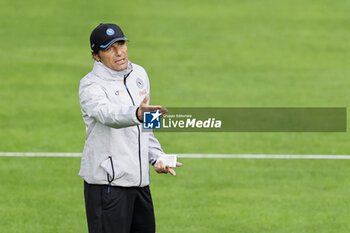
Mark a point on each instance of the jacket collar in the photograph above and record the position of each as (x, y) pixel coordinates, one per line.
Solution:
(108, 74)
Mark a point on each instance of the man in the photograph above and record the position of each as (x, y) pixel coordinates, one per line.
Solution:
(114, 164)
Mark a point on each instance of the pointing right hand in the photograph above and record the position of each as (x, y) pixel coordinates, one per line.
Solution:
(144, 107)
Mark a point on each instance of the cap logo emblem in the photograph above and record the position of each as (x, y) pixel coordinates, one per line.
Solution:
(110, 32)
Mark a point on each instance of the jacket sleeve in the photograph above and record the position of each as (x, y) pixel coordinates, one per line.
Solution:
(94, 103)
(154, 146)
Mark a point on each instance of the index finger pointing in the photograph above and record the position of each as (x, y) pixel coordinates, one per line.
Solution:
(178, 164)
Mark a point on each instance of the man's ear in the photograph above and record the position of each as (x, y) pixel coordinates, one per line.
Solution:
(95, 55)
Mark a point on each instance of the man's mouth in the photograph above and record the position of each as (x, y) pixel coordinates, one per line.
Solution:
(120, 61)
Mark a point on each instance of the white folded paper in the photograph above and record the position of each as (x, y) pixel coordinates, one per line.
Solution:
(168, 159)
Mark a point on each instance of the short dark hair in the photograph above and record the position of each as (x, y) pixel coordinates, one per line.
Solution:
(93, 52)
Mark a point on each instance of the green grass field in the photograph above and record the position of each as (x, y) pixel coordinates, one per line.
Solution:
(40, 195)
(233, 53)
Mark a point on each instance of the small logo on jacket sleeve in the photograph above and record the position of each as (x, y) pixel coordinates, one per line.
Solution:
(151, 120)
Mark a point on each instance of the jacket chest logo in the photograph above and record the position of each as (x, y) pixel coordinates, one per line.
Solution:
(139, 83)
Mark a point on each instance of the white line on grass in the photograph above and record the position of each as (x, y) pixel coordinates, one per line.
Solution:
(246, 156)
(261, 156)
(40, 154)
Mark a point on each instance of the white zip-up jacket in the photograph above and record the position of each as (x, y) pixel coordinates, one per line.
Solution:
(116, 151)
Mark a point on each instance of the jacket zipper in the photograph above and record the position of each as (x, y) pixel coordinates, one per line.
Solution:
(110, 180)
(138, 128)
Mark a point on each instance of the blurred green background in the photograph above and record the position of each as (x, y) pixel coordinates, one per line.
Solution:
(291, 53)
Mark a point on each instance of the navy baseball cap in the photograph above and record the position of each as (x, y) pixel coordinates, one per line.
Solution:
(104, 35)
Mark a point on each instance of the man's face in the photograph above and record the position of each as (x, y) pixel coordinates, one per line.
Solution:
(115, 56)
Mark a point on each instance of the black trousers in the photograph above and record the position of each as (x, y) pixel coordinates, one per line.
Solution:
(111, 209)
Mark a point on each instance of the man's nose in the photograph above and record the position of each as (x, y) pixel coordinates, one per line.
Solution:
(117, 50)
